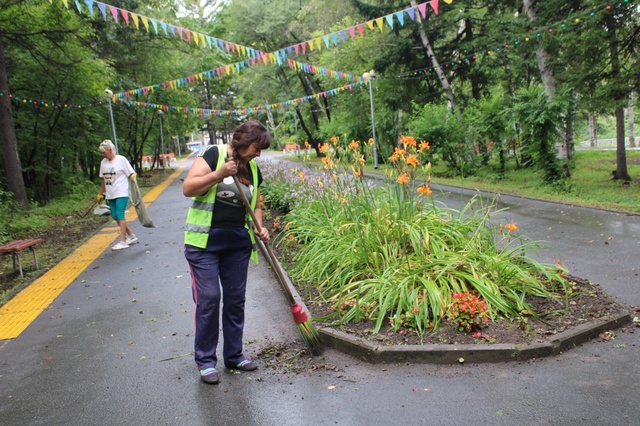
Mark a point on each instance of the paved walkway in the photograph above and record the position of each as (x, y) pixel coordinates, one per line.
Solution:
(114, 347)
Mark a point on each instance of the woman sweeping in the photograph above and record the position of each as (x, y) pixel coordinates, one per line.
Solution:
(220, 240)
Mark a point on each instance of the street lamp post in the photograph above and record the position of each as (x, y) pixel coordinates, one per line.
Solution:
(367, 76)
(162, 156)
(113, 124)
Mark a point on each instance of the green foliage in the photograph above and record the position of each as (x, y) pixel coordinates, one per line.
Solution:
(538, 121)
(390, 253)
(438, 125)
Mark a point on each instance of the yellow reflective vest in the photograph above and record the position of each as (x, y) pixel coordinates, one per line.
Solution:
(200, 213)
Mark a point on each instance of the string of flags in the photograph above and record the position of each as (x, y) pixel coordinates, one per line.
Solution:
(258, 57)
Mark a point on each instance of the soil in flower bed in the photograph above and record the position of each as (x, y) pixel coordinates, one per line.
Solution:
(587, 303)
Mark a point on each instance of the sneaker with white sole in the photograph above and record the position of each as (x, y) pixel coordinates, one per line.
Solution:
(132, 239)
(121, 245)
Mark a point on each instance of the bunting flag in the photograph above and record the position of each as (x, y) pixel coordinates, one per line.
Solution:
(204, 113)
(199, 39)
(236, 68)
(120, 16)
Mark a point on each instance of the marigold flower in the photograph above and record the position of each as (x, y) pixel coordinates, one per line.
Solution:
(404, 179)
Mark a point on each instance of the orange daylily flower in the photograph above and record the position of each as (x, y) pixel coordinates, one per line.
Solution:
(511, 227)
(354, 144)
(424, 190)
(403, 180)
(413, 161)
(424, 146)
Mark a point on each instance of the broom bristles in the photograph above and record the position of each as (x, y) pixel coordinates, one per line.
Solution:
(311, 337)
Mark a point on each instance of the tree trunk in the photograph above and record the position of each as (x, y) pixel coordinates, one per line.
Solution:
(546, 74)
(436, 66)
(631, 121)
(550, 85)
(621, 172)
(593, 131)
(12, 165)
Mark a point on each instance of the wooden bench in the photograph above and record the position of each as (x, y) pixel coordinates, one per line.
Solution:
(15, 247)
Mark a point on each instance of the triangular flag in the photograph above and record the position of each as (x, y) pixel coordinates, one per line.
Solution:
(411, 14)
(135, 20)
(145, 21)
(188, 35)
(334, 37)
(389, 19)
(400, 17)
(78, 6)
(125, 15)
(114, 13)
(180, 33)
(296, 48)
(379, 21)
(163, 25)
(65, 3)
(103, 9)
(423, 8)
(90, 6)
(352, 32)
(318, 44)
(155, 25)
(361, 30)
(369, 24)
(310, 42)
(326, 41)
(342, 35)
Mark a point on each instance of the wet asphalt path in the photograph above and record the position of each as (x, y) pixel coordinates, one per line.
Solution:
(115, 347)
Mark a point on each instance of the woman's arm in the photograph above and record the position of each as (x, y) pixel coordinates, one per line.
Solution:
(257, 212)
(201, 178)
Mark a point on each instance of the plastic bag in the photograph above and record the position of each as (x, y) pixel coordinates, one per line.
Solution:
(102, 209)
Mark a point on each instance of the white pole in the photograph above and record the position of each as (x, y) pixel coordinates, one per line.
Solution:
(113, 124)
(368, 76)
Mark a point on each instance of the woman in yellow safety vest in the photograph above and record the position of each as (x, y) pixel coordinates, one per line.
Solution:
(220, 240)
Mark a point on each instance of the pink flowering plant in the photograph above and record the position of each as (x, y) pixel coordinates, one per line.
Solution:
(467, 312)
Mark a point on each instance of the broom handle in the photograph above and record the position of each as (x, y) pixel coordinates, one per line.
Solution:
(272, 256)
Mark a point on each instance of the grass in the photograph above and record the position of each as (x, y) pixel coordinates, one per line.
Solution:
(590, 184)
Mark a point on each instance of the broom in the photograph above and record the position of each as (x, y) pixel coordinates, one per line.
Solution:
(307, 330)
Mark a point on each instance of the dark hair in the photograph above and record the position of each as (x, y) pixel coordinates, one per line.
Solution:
(249, 133)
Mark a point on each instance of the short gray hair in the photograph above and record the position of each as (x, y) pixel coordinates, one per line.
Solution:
(107, 145)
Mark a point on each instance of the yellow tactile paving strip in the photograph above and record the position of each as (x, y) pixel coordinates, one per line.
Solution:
(22, 309)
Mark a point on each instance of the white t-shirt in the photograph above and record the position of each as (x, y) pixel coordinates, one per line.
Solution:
(116, 177)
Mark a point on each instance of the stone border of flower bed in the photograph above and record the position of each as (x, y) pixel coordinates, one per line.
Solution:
(458, 353)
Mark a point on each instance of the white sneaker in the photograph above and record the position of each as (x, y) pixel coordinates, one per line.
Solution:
(132, 239)
(121, 245)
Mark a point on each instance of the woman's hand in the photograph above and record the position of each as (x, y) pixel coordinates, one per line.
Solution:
(263, 234)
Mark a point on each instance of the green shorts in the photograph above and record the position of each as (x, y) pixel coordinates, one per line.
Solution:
(118, 207)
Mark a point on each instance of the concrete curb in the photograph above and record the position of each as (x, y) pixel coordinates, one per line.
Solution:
(449, 354)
